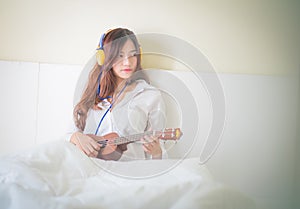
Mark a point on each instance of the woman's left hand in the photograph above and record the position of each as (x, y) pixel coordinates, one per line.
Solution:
(151, 146)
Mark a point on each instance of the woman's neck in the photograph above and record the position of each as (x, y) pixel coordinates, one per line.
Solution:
(120, 81)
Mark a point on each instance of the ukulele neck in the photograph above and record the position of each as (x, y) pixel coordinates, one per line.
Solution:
(134, 138)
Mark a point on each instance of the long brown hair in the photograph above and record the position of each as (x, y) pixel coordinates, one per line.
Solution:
(113, 42)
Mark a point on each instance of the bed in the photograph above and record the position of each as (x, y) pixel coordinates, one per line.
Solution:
(56, 174)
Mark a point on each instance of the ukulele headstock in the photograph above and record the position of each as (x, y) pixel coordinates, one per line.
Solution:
(170, 134)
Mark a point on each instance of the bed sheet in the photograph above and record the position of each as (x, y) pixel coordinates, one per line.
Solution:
(58, 175)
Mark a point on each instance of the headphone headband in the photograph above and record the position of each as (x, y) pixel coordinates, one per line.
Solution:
(100, 56)
(100, 45)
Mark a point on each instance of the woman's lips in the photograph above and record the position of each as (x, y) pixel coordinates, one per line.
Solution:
(127, 70)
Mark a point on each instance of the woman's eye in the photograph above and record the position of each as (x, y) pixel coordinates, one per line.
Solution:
(132, 55)
(121, 56)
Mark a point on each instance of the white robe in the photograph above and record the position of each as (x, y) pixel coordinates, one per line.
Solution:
(141, 109)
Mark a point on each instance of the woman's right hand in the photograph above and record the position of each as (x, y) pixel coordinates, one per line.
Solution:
(85, 143)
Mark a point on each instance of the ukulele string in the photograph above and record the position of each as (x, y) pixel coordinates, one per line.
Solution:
(131, 138)
(127, 139)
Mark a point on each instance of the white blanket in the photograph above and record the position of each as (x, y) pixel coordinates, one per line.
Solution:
(58, 175)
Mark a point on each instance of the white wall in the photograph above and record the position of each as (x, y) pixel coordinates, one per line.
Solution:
(240, 36)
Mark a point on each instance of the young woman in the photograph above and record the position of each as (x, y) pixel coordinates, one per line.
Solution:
(117, 101)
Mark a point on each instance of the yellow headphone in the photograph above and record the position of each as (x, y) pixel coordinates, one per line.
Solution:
(100, 56)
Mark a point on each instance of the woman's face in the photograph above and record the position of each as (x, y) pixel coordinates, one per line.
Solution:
(126, 62)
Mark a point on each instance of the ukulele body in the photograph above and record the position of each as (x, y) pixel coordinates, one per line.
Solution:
(109, 151)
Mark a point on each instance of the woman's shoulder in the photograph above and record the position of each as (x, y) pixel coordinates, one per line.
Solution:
(144, 90)
(144, 85)
(140, 91)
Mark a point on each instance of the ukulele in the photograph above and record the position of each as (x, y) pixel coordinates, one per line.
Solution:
(113, 146)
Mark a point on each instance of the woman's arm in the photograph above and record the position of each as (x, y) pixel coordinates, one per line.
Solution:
(85, 143)
(156, 121)
(152, 146)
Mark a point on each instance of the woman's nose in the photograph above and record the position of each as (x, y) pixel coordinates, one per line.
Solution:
(126, 60)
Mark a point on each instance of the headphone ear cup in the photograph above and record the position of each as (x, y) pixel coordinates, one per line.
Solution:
(100, 56)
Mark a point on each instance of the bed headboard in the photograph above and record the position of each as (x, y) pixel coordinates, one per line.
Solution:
(46, 94)
(37, 101)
